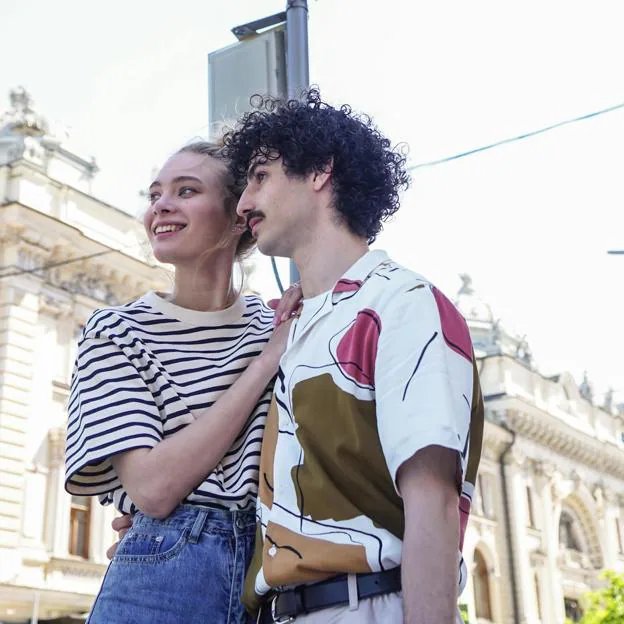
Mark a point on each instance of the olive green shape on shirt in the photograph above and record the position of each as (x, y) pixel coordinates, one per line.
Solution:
(344, 472)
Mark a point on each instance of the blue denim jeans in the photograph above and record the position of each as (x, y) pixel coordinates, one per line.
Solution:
(186, 569)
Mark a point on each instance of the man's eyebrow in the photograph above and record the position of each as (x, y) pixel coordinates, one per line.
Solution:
(252, 169)
(177, 180)
(257, 162)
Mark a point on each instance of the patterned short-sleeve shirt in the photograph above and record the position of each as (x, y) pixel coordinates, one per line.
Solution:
(376, 369)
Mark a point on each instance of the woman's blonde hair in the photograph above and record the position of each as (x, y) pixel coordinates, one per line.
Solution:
(232, 189)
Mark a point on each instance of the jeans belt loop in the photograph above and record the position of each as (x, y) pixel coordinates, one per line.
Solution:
(198, 526)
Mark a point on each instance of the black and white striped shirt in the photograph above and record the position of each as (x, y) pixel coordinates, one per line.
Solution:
(141, 371)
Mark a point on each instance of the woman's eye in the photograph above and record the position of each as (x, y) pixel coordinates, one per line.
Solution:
(260, 175)
(187, 191)
(153, 197)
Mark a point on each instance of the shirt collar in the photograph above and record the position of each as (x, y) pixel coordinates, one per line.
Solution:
(346, 287)
(357, 274)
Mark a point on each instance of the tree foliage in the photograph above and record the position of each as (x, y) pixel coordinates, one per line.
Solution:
(606, 605)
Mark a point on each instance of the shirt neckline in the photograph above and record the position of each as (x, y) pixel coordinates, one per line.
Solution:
(319, 305)
(232, 313)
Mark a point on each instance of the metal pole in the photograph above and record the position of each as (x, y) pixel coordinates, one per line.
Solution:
(297, 67)
(297, 70)
(34, 618)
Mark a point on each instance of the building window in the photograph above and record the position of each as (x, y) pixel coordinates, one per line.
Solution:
(485, 503)
(530, 508)
(573, 609)
(568, 533)
(481, 582)
(79, 520)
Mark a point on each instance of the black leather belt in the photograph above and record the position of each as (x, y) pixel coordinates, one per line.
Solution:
(284, 606)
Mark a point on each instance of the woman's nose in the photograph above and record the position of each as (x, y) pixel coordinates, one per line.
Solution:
(162, 204)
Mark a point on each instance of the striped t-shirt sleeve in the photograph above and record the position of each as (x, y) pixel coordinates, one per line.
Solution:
(111, 411)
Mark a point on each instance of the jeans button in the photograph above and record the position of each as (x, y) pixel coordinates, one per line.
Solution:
(240, 523)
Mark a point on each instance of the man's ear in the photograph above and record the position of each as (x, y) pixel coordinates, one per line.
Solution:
(321, 178)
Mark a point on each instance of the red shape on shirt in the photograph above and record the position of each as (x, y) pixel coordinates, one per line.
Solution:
(345, 285)
(464, 513)
(357, 349)
(454, 327)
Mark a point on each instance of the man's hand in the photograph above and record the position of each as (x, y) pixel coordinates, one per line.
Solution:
(121, 524)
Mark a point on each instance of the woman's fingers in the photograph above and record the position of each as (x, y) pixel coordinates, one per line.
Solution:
(111, 550)
(122, 525)
(122, 522)
(289, 305)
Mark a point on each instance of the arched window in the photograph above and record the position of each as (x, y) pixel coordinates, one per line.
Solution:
(79, 521)
(481, 582)
(568, 532)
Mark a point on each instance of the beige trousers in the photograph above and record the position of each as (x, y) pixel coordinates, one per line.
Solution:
(384, 609)
(387, 608)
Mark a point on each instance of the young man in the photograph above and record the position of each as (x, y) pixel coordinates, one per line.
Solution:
(373, 440)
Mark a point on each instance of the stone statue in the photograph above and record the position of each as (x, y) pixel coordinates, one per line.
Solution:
(466, 287)
(585, 388)
(21, 117)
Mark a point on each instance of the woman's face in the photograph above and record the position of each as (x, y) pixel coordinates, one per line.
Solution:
(186, 217)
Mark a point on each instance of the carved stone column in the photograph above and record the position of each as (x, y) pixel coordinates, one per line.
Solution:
(57, 504)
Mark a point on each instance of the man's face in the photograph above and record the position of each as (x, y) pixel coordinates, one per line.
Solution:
(278, 207)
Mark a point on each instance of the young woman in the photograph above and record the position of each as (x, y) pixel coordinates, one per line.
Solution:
(167, 409)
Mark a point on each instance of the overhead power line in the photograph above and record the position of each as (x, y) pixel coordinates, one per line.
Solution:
(526, 135)
(54, 265)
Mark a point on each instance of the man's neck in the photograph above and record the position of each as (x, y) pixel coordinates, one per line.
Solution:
(321, 264)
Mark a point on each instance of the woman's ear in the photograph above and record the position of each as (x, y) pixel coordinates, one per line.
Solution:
(239, 225)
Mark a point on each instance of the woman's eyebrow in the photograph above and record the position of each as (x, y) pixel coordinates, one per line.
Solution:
(176, 180)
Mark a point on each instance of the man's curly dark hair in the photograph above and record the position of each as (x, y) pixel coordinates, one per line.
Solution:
(309, 135)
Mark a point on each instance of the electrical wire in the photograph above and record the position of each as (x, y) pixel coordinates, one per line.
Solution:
(520, 137)
(276, 274)
(53, 265)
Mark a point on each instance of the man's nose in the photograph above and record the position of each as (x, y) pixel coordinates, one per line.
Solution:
(245, 205)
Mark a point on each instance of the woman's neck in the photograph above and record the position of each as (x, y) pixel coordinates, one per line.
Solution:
(205, 288)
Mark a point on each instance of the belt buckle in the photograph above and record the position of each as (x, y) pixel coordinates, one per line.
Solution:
(285, 619)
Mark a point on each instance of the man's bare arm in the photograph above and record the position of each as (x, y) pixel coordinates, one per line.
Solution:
(430, 562)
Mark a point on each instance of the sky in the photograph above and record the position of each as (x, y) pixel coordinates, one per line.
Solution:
(530, 221)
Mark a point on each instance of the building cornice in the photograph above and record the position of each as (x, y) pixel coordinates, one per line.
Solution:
(551, 432)
(64, 261)
(38, 169)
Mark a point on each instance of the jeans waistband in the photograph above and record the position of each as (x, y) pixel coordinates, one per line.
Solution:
(199, 518)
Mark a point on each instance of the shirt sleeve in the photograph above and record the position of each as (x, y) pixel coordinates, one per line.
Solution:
(111, 410)
(423, 376)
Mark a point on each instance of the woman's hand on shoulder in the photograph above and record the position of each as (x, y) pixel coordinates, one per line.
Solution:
(286, 309)
(288, 306)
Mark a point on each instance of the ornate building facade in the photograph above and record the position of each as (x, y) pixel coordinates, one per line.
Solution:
(548, 514)
(63, 253)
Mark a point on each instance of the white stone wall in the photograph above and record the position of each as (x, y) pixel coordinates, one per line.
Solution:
(41, 313)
